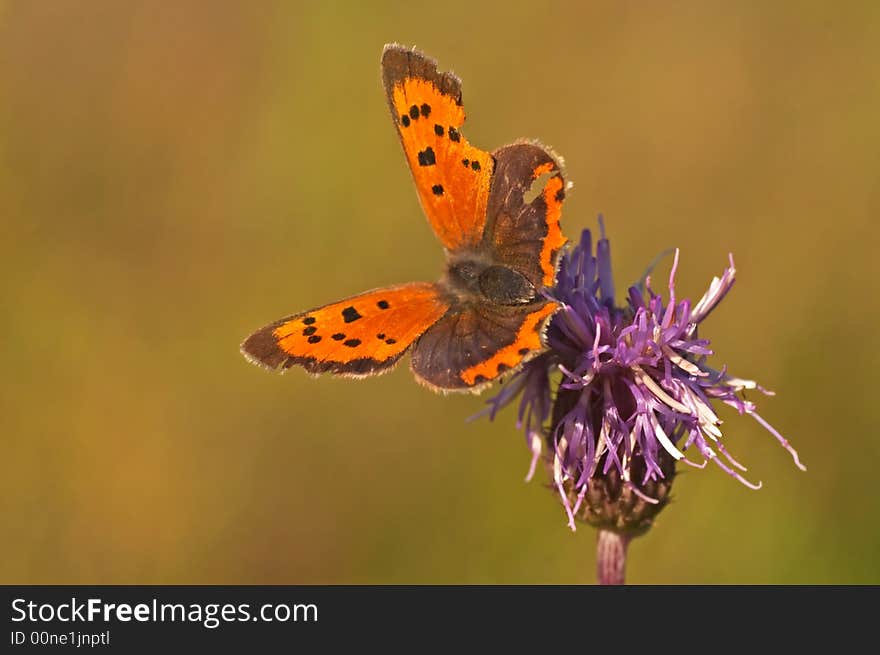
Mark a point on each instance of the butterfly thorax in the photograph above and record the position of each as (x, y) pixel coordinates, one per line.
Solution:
(472, 277)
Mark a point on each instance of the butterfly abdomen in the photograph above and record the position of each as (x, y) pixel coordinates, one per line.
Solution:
(506, 286)
(471, 278)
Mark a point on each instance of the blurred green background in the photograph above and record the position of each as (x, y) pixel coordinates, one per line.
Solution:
(174, 175)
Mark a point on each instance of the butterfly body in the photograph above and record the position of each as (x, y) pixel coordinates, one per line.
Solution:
(486, 314)
(479, 280)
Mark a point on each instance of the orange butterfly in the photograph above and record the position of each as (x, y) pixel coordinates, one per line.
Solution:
(486, 314)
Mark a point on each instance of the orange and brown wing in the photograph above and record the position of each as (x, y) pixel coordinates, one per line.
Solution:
(474, 344)
(452, 177)
(525, 206)
(359, 336)
(479, 341)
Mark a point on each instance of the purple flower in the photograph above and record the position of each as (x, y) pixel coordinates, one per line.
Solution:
(622, 393)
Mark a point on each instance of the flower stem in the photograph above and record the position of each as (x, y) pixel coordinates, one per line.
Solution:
(611, 557)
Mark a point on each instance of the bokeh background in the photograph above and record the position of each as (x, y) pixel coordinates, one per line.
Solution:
(174, 175)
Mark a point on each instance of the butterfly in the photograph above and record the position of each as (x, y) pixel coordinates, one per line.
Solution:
(497, 216)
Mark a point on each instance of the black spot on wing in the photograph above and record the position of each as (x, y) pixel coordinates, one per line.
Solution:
(404, 120)
(309, 331)
(414, 112)
(338, 336)
(453, 134)
(350, 314)
(438, 130)
(426, 157)
(437, 189)
(314, 338)
(426, 110)
(308, 320)
(352, 343)
(383, 304)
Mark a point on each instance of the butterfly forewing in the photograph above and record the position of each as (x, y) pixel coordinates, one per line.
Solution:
(452, 177)
(358, 336)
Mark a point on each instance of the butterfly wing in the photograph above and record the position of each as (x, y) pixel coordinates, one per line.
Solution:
(359, 336)
(452, 177)
(522, 231)
(478, 340)
(476, 343)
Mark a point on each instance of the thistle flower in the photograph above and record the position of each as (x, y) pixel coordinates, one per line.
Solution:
(623, 393)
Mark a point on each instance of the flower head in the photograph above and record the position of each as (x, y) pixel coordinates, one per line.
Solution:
(627, 392)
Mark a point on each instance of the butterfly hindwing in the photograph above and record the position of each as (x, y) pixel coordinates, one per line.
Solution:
(358, 336)
(452, 177)
(523, 230)
(478, 342)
